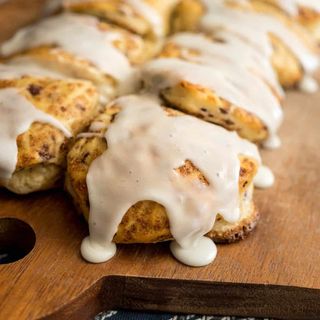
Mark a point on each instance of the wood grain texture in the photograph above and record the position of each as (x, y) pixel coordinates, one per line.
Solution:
(275, 272)
(17, 13)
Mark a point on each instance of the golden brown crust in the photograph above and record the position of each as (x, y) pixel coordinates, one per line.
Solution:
(124, 15)
(207, 105)
(146, 221)
(286, 65)
(74, 103)
(42, 143)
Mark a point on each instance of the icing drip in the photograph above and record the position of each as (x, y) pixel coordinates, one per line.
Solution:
(77, 34)
(94, 252)
(231, 82)
(230, 48)
(309, 84)
(17, 115)
(272, 142)
(157, 145)
(264, 178)
(202, 253)
(255, 28)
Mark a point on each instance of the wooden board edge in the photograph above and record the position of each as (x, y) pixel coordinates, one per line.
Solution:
(193, 297)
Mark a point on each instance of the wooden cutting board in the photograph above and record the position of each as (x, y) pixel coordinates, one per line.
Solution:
(273, 273)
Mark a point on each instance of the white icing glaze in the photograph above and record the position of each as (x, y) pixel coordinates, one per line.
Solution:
(201, 254)
(255, 28)
(309, 84)
(264, 178)
(17, 115)
(292, 6)
(150, 14)
(77, 34)
(232, 48)
(229, 81)
(272, 142)
(145, 146)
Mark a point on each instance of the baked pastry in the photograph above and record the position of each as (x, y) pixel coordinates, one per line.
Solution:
(207, 49)
(80, 46)
(38, 118)
(306, 12)
(148, 18)
(291, 51)
(222, 93)
(139, 132)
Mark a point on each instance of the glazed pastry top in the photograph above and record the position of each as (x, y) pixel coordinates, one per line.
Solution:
(146, 148)
(77, 34)
(226, 46)
(229, 81)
